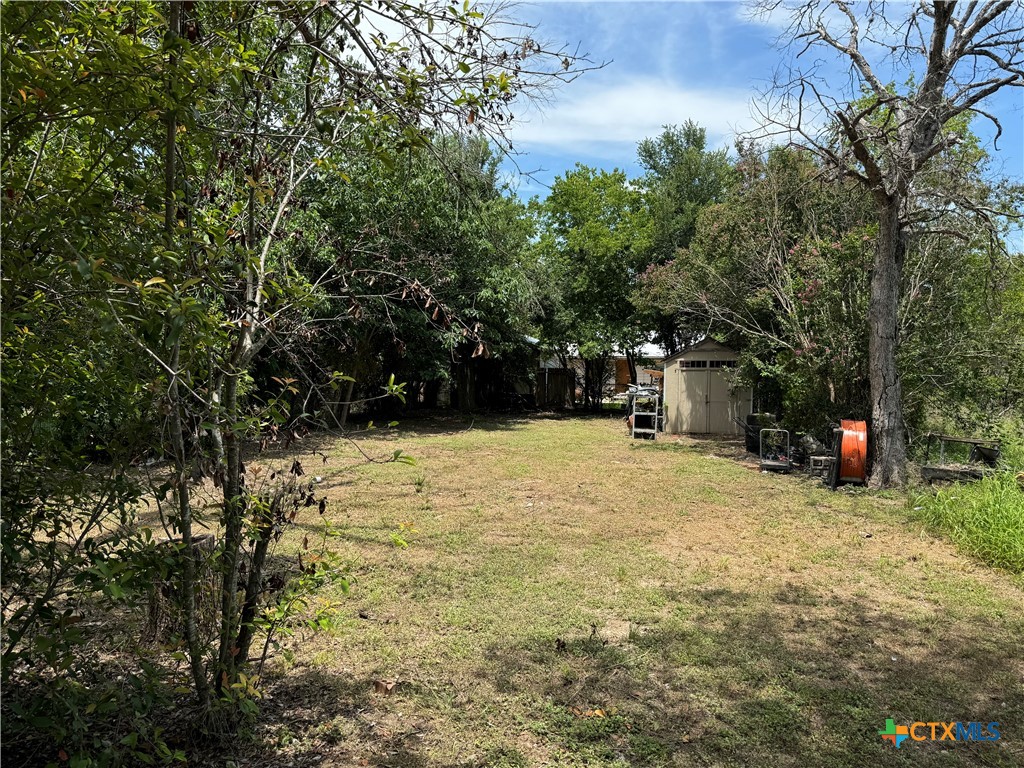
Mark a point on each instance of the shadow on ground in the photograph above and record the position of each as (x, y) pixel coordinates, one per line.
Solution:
(744, 681)
(729, 678)
(314, 717)
(446, 423)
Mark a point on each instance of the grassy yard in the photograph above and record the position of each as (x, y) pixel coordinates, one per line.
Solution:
(570, 597)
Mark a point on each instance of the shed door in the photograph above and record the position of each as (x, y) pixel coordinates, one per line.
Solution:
(693, 399)
(722, 405)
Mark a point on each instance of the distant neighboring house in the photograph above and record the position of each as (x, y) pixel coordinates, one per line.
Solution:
(648, 371)
(648, 368)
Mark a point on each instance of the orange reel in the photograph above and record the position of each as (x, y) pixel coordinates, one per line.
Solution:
(853, 461)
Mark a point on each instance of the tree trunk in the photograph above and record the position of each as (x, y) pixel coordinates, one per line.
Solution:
(465, 378)
(216, 435)
(593, 387)
(184, 521)
(184, 525)
(234, 514)
(431, 393)
(235, 503)
(890, 447)
(346, 405)
(254, 585)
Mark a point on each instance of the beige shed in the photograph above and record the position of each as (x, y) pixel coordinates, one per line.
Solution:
(698, 397)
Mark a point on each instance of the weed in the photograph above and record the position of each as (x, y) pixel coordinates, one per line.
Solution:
(504, 757)
(826, 555)
(400, 538)
(985, 518)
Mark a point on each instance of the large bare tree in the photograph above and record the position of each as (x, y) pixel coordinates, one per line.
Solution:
(914, 83)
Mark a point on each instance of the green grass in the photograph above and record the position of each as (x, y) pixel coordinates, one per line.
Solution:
(574, 598)
(984, 518)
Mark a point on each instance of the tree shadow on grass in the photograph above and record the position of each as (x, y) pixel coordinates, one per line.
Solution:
(722, 446)
(798, 680)
(792, 677)
(442, 424)
(319, 717)
(449, 423)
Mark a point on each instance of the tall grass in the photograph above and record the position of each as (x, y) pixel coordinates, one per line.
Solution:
(1010, 434)
(985, 518)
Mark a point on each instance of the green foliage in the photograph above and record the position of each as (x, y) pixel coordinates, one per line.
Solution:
(93, 714)
(595, 238)
(158, 162)
(781, 271)
(683, 178)
(984, 518)
(438, 261)
(77, 407)
(298, 605)
(971, 307)
(1010, 434)
(401, 537)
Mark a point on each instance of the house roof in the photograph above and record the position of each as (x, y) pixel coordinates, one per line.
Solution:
(652, 351)
(707, 343)
(648, 351)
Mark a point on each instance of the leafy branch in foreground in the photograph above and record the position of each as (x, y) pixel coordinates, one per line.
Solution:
(155, 156)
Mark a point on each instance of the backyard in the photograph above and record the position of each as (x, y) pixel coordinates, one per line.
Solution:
(549, 592)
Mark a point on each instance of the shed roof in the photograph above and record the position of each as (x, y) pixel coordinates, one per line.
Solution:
(707, 344)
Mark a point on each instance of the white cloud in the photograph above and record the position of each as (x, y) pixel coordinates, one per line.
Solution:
(777, 17)
(626, 2)
(880, 27)
(609, 121)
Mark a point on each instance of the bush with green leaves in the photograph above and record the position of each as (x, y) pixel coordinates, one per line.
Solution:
(985, 518)
(155, 156)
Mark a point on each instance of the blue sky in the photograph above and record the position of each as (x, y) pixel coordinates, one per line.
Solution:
(670, 61)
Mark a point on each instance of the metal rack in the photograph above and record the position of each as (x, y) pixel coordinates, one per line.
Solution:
(983, 458)
(648, 409)
(776, 455)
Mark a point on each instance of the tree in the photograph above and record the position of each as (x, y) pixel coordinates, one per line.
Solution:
(959, 55)
(683, 177)
(436, 256)
(778, 271)
(595, 240)
(154, 155)
(781, 271)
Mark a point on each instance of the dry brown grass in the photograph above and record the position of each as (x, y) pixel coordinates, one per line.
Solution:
(714, 615)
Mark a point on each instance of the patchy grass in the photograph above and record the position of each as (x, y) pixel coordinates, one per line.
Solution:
(573, 598)
(985, 518)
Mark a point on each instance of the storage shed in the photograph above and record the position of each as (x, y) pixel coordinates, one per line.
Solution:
(698, 397)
